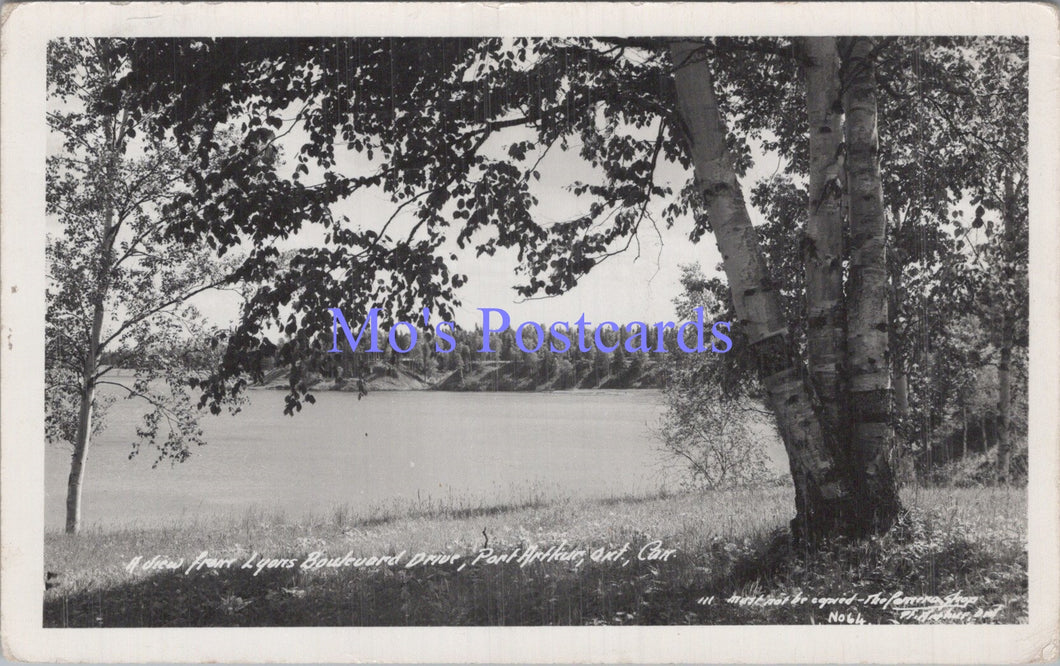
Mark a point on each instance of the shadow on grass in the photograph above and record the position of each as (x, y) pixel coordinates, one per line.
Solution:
(918, 557)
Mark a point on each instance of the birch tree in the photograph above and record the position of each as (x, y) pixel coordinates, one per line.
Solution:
(823, 250)
(118, 284)
(1001, 152)
(823, 491)
(868, 352)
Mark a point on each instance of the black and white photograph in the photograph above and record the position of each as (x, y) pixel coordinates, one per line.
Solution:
(522, 328)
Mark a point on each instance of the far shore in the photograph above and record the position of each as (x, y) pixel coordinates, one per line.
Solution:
(487, 375)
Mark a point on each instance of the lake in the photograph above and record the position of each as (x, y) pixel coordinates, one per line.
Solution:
(390, 446)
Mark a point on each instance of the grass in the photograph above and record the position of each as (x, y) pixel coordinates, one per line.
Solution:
(967, 540)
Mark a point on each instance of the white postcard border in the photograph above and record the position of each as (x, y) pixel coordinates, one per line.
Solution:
(27, 28)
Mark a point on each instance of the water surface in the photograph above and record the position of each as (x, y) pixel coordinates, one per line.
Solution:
(389, 446)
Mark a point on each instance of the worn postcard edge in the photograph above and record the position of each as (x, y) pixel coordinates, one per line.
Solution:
(28, 26)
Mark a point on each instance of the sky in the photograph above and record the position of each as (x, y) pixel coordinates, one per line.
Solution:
(639, 284)
(636, 285)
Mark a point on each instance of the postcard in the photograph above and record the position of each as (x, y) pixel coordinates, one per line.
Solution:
(527, 332)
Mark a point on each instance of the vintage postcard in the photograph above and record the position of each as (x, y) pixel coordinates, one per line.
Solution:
(530, 332)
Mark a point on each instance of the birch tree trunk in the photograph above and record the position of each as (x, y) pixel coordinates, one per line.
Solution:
(901, 392)
(823, 246)
(964, 432)
(88, 388)
(899, 356)
(823, 493)
(868, 356)
(1004, 373)
(900, 450)
(75, 482)
(76, 478)
(88, 394)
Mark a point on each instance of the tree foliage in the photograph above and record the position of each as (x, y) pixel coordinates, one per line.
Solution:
(456, 133)
(714, 423)
(118, 284)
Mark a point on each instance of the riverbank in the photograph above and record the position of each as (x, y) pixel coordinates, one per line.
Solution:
(708, 557)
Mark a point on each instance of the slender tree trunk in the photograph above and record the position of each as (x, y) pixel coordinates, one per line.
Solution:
(823, 493)
(88, 388)
(1004, 375)
(900, 450)
(77, 461)
(823, 246)
(898, 367)
(91, 364)
(868, 358)
(1004, 443)
(964, 432)
(900, 446)
(901, 393)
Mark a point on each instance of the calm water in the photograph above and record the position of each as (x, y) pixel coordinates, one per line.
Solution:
(391, 445)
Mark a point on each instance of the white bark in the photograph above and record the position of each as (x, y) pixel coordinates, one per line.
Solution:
(823, 246)
(754, 296)
(868, 354)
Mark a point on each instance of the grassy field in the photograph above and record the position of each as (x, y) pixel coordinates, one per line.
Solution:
(724, 543)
